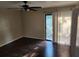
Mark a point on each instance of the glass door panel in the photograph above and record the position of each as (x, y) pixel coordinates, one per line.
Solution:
(49, 27)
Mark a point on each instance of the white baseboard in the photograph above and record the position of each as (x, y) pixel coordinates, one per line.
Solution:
(34, 37)
(19, 38)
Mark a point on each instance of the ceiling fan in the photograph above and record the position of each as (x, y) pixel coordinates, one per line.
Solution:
(26, 7)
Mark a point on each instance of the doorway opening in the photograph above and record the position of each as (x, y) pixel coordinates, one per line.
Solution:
(49, 27)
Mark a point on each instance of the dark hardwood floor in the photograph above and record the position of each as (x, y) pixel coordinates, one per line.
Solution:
(26, 47)
(29, 47)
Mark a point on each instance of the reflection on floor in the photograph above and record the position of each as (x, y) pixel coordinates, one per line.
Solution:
(28, 47)
(49, 50)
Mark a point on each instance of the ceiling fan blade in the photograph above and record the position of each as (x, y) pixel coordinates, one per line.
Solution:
(32, 9)
(36, 7)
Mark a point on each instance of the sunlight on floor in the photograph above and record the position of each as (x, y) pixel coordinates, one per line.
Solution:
(49, 51)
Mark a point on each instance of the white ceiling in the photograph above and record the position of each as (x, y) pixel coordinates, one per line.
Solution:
(44, 4)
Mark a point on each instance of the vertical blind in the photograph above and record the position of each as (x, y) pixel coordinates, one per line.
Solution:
(64, 27)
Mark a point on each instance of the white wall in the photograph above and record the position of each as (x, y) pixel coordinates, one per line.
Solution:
(10, 25)
(34, 24)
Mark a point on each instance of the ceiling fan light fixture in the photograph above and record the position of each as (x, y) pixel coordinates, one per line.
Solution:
(28, 10)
